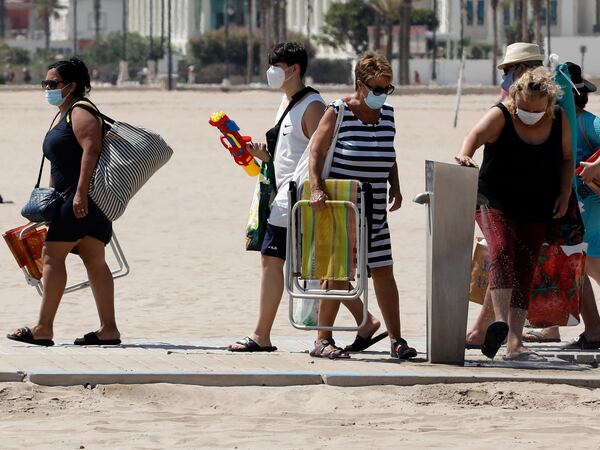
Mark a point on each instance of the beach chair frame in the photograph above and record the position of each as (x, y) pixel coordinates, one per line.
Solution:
(297, 288)
(120, 272)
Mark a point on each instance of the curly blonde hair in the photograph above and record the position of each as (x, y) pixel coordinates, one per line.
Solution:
(532, 85)
(372, 65)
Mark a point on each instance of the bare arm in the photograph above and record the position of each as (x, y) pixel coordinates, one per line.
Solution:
(311, 118)
(88, 131)
(394, 193)
(321, 142)
(566, 170)
(488, 129)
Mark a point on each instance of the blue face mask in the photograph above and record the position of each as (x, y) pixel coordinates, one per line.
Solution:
(55, 97)
(507, 80)
(375, 101)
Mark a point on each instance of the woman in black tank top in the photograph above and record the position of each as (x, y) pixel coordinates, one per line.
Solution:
(73, 145)
(524, 182)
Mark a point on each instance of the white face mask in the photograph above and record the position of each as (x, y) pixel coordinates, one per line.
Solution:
(276, 76)
(530, 118)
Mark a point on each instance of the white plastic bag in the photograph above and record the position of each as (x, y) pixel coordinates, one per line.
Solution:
(306, 310)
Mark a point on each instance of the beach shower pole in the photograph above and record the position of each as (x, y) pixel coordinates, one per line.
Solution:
(451, 196)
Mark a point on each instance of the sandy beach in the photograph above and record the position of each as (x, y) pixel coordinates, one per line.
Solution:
(191, 277)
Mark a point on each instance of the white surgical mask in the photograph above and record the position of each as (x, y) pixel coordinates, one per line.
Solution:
(276, 76)
(530, 118)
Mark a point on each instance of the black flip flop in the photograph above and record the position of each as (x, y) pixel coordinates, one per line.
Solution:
(581, 343)
(25, 335)
(92, 339)
(494, 337)
(250, 345)
(360, 343)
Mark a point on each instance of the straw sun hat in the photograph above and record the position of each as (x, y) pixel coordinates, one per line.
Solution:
(521, 52)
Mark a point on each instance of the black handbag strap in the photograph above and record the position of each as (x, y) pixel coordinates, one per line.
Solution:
(293, 101)
(39, 179)
(85, 104)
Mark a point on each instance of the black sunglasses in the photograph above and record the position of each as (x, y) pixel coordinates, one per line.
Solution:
(382, 90)
(50, 84)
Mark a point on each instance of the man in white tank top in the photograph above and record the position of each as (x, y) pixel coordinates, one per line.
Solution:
(288, 63)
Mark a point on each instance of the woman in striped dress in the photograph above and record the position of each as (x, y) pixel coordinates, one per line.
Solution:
(364, 151)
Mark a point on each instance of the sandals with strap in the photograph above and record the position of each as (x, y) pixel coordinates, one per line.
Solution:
(249, 345)
(326, 348)
(401, 350)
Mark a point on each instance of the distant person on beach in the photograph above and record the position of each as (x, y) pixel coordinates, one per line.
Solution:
(26, 75)
(417, 78)
(588, 141)
(9, 74)
(191, 74)
(525, 180)
(288, 63)
(364, 151)
(73, 146)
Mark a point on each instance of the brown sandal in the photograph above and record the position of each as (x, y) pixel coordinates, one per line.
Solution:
(401, 350)
(320, 350)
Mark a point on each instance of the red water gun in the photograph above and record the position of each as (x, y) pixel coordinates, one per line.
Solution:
(233, 141)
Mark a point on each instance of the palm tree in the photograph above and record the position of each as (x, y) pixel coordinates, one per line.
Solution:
(537, 20)
(2, 19)
(309, 13)
(390, 12)
(282, 18)
(265, 27)
(524, 24)
(250, 42)
(49, 9)
(75, 46)
(495, 43)
(377, 32)
(97, 20)
(274, 11)
(404, 42)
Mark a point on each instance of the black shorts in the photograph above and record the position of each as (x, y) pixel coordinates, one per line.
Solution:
(67, 228)
(274, 243)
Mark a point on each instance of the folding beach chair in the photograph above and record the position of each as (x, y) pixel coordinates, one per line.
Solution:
(26, 243)
(329, 245)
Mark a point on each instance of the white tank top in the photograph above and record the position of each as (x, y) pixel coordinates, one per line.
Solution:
(291, 143)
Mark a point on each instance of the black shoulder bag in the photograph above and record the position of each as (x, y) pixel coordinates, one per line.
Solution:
(44, 203)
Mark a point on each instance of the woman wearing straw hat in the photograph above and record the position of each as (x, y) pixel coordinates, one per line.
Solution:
(519, 57)
(527, 143)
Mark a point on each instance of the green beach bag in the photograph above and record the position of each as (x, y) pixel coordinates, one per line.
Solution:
(260, 208)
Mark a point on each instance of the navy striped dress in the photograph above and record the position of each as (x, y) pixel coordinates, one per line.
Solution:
(365, 152)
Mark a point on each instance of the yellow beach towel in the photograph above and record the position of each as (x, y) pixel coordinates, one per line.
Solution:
(329, 237)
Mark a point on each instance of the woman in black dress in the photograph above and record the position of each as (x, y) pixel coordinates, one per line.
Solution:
(73, 145)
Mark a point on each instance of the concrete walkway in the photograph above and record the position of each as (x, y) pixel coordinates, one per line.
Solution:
(207, 362)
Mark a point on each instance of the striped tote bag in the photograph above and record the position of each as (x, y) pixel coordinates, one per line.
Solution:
(130, 156)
